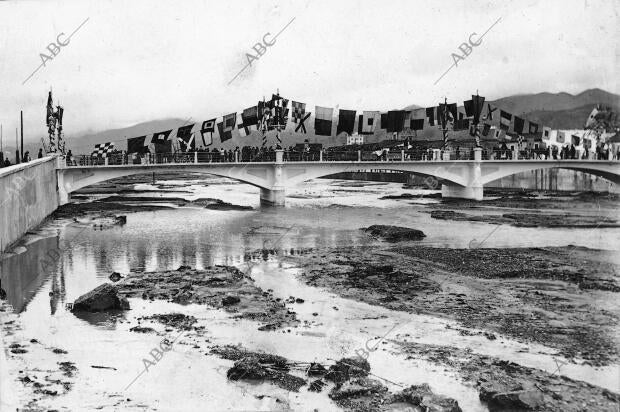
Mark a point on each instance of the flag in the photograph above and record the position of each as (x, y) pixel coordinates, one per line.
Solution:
(244, 129)
(102, 149)
(185, 138)
(161, 137)
(136, 144)
(416, 124)
(469, 107)
(299, 109)
(497, 133)
(546, 133)
(430, 115)
(208, 126)
(461, 124)
(50, 109)
(519, 124)
(384, 121)
(323, 121)
(560, 137)
(446, 113)
(505, 119)
(59, 112)
(395, 121)
(587, 143)
(533, 128)
(346, 121)
(301, 127)
(368, 122)
(575, 140)
(477, 106)
(490, 111)
(250, 116)
(226, 126)
(486, 129)
(589, 122)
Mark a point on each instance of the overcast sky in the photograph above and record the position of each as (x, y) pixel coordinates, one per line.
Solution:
(135, 61)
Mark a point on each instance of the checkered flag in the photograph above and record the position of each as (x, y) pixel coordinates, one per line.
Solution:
(102, 149)
(299, 109)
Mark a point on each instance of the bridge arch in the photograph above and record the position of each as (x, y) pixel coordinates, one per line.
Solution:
(606, 169)
(456, 173)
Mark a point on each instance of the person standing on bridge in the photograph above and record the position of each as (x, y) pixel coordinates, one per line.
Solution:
(40, 155)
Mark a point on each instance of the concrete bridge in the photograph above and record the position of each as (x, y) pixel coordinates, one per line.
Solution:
(461, 178)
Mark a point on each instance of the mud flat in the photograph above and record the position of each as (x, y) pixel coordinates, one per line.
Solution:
(531, 219)
(223, 287)
(551, 296)
(506, 386)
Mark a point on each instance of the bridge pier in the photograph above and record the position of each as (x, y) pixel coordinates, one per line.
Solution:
(462, 192)
(473, 190)
(272, 197)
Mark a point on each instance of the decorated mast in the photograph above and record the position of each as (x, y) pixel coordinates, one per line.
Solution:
(54, 126)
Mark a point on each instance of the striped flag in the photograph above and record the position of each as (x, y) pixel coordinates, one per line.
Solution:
(323, 121)
(505, 119)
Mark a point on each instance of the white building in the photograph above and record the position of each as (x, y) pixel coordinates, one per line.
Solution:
(355, 139)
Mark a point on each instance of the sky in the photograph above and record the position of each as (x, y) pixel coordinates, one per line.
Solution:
(136, 61)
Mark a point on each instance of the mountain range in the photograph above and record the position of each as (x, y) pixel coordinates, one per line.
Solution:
(556, 110)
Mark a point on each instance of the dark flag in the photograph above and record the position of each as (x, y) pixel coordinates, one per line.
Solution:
(416, 124)
(208, 126)
(136, 145)
(323, 121)
(469, 107)
(161, 137)
(445, 114)
(505, 119)
(346, 121)
(299, 110)
(50, 109)
(486, 129)
(533, 128)
(250, 116)
(395, 121)
(575, 140)
(461, 124)
(477, 106)
(384, 120)
(430, 115)
(227, 126)
(452, 110)
(490, 111)
(519, 125)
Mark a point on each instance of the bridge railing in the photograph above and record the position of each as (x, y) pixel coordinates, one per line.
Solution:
(413, 155)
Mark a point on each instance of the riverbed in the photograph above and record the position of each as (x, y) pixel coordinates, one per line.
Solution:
(270, 245)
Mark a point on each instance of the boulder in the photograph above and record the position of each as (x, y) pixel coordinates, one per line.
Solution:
(347, 368)
(423, 397)
(394, 233)
(103, 297)
(115, 277)
(525, 399)
(356, 388)
(230, 300)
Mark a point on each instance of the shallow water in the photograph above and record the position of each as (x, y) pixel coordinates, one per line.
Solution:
(321, 214)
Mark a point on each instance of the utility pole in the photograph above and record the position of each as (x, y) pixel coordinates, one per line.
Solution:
(17, 158)
(21, 119)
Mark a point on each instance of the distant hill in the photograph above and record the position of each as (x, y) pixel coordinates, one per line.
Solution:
(549, 102)
(564, 119)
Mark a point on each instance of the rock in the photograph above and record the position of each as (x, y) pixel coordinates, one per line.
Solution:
(316, 369)
(423, 397)
(230, 300)
(347, 368)
(120, 220)
(316, 386)
(299, 300)
(526, 399)
(115, 277)
(183, 267)
(103, 297)
(357, 387)
(394, 233)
